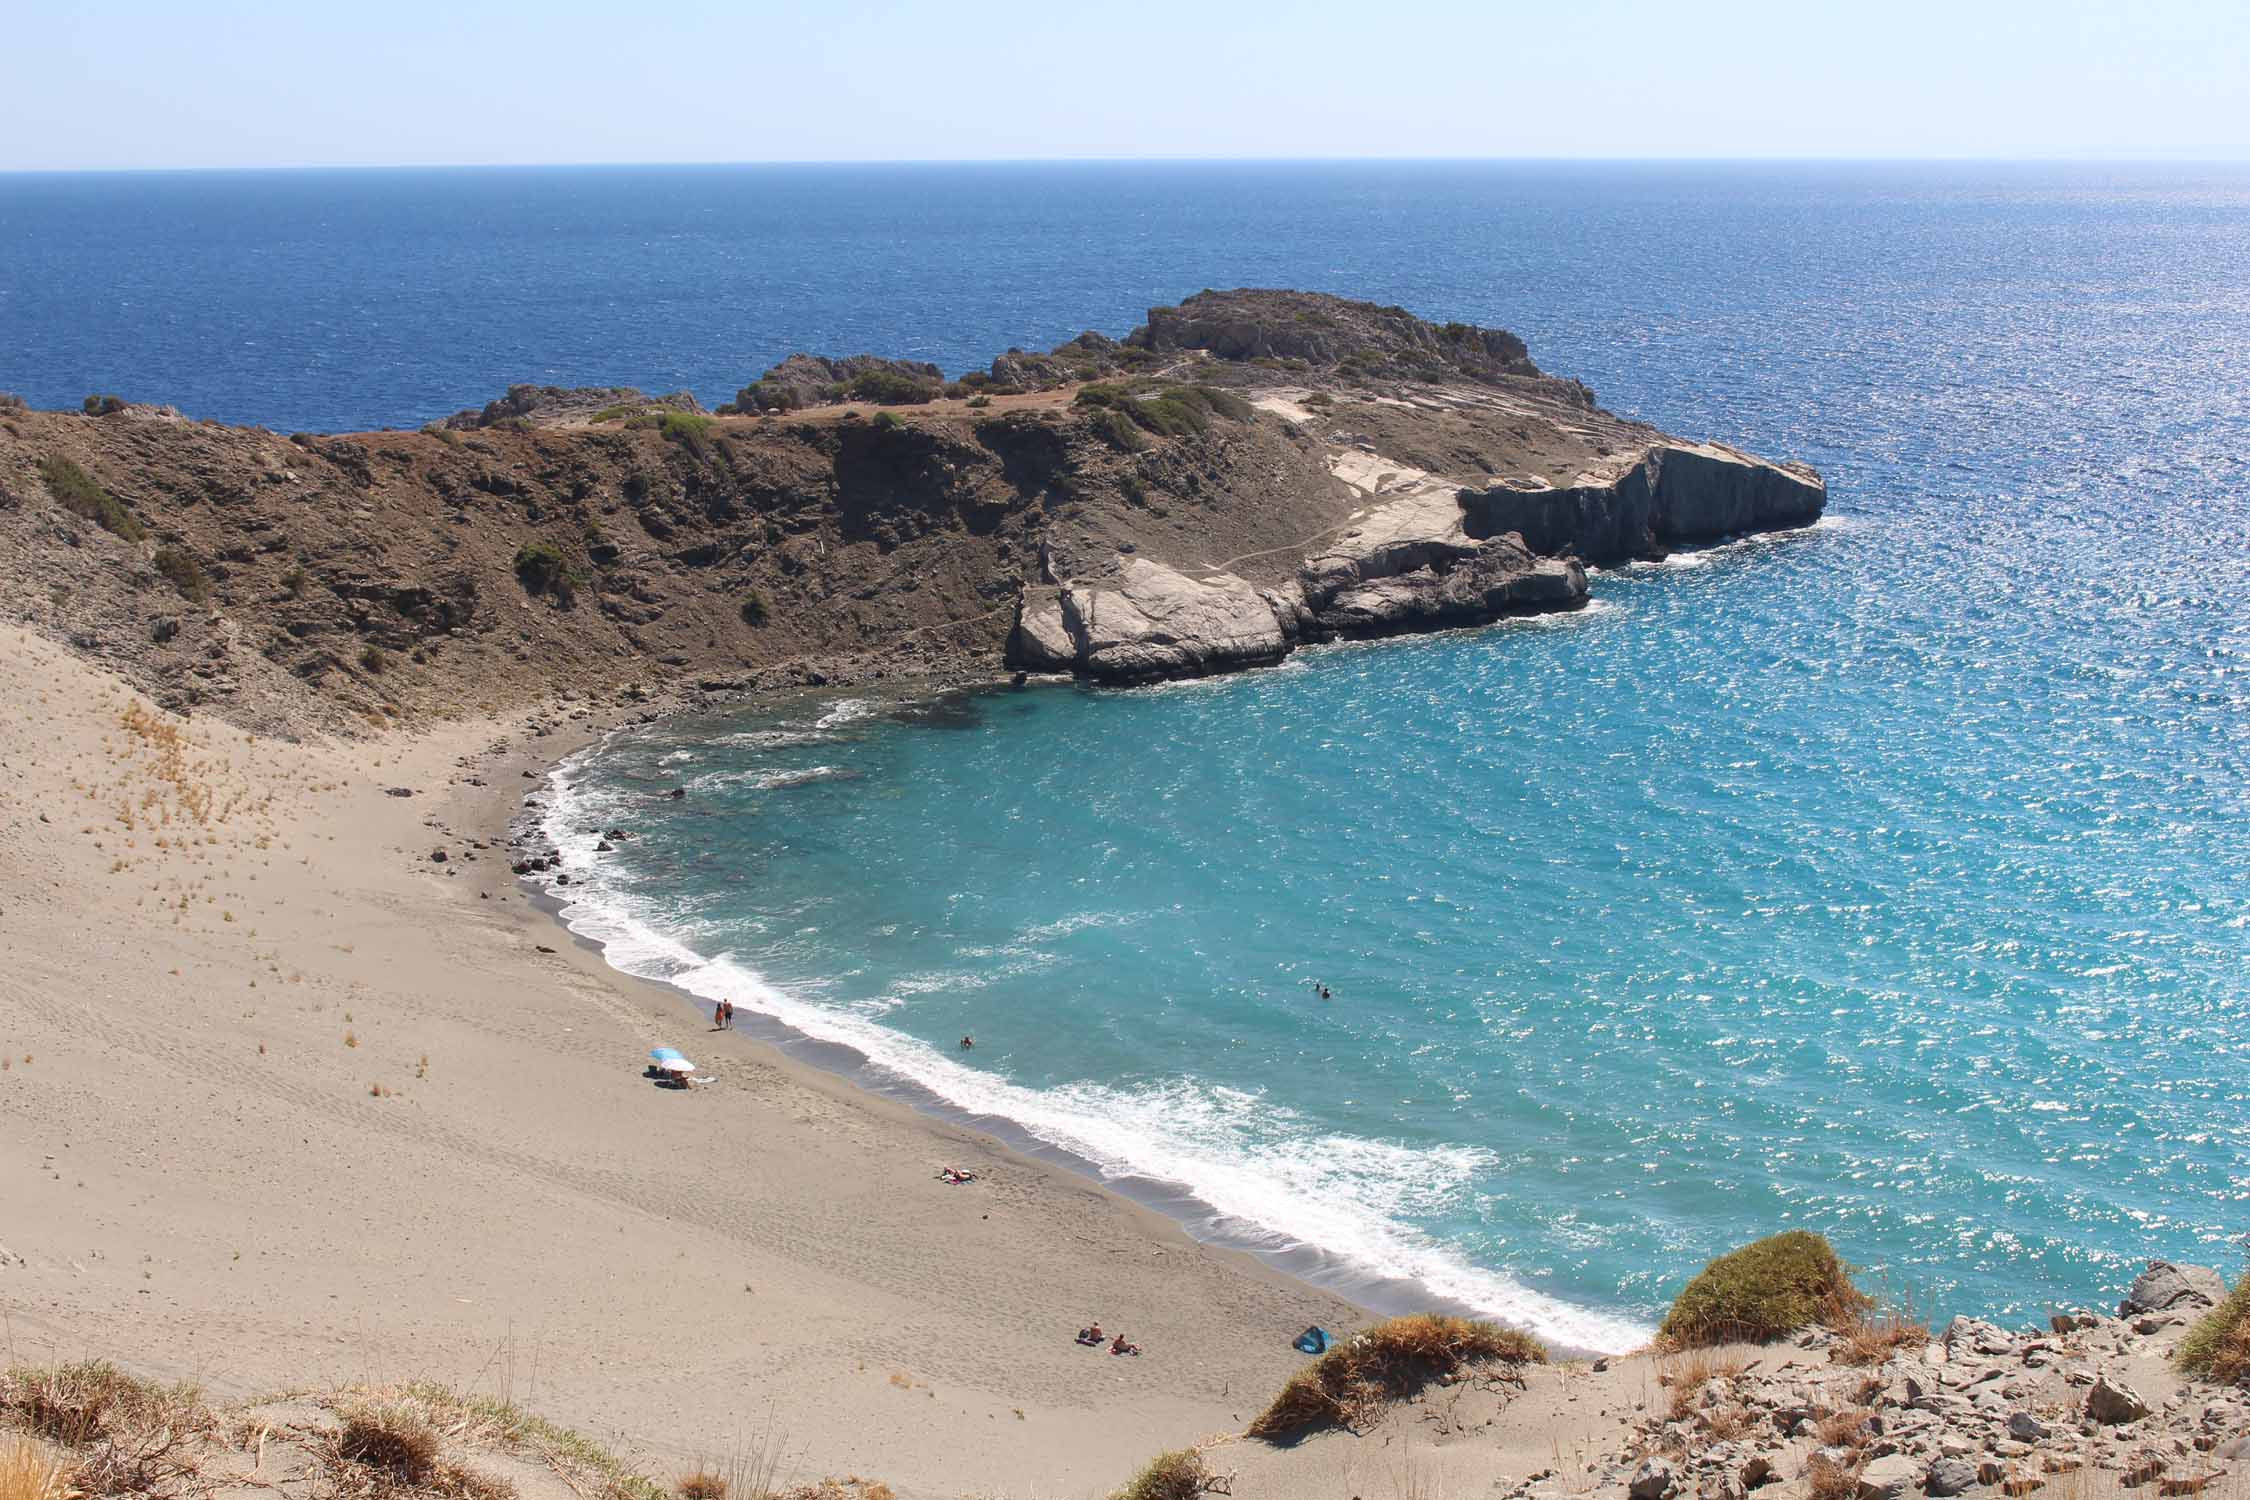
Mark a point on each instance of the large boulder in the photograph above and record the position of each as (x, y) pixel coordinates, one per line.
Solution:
(2166, 1285)
(1892, 1477)
(1950, 1476)
(2113, 1404)
(1148, 623)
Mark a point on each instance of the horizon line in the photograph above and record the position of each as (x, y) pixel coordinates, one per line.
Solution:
(2212, 156)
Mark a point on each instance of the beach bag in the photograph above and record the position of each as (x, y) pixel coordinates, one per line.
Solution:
(1313, 1340)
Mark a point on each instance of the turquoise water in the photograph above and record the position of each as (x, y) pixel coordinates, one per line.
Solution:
(1890, 878)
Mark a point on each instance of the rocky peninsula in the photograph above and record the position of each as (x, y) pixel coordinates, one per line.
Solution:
(1243, 473)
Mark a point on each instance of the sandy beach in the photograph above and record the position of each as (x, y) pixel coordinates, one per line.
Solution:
(289, 1102)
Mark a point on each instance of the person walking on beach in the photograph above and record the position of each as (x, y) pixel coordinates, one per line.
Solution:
(729, 1022)
(718, 1014)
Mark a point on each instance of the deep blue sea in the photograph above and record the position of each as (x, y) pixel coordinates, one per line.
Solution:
(1890, 878)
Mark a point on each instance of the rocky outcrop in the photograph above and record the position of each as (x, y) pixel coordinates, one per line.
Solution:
(804, 380)
(1328, 331)
(1150, 623)
(1672, 493)
(555, 405)
(1252, 470)
(2165, 1285)
(2087, 1405)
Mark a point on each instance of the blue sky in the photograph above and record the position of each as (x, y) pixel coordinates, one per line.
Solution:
(135, 83)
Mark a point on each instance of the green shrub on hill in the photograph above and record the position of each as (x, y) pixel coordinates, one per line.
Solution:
(102, 406)
(184, 573)
(889, 388)
(1765, 1291)
(2218, 1346)
(81, 494)
(542, 569)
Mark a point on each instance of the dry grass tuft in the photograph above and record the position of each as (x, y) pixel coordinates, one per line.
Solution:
(1765, 1291)
(1843, 1429)
(2218, 1346)
(1179, 1475)
(1825, 1479)
(126, 1436)
(1871, 1334)
(702, 1485)
(30, 1471)
(1349, 1384)
(395, 1441)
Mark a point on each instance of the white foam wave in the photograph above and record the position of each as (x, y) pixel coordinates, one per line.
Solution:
(1266, 1176)
(770, 780)
(849, 711)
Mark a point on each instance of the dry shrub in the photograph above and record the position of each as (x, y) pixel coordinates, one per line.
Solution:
(1843, 1429)
(2218, 1346)
(128, 1436)
(395, 1441)
(854, 1488)
(29, 1471)
(1826, 1479)
(1351, 1382)
(1728, 1424)
(702, 1485)
(1179, 1475)
(1765, 1291)
(388, 1449)
(1870, 1335)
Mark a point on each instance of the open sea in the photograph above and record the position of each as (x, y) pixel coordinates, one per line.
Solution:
(1890, 878)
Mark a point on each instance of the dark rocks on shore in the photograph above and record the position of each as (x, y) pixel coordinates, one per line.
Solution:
(2166, 1285)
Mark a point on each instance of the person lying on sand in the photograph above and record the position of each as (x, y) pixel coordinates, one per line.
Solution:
(1091, 1335)
(1119, 1346)
(956, 1177)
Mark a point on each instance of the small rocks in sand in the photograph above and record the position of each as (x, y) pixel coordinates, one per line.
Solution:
(437, 856)
(1653, 1480)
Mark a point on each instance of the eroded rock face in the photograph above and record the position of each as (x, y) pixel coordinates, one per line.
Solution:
(1674, 493)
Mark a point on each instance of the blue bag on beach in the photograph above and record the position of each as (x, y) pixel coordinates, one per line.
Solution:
(1313, 1340)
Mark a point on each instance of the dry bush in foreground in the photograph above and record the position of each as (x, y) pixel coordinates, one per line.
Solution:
(125, 1436)
(702, 1485)
(1765, 1291)
(1179, 1475)
(1828, 1480)
(395, 1441)
(29, 1471)
(2218, 1346)
(1351, 1382)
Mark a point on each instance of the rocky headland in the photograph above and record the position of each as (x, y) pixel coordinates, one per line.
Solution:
(1243, 473)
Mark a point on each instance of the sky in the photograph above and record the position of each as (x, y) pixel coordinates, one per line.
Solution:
(166, 84)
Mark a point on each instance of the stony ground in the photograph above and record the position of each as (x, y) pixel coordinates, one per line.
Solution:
(2089, 1405)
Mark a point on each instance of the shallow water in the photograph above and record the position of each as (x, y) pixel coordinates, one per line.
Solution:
(1887, 878)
